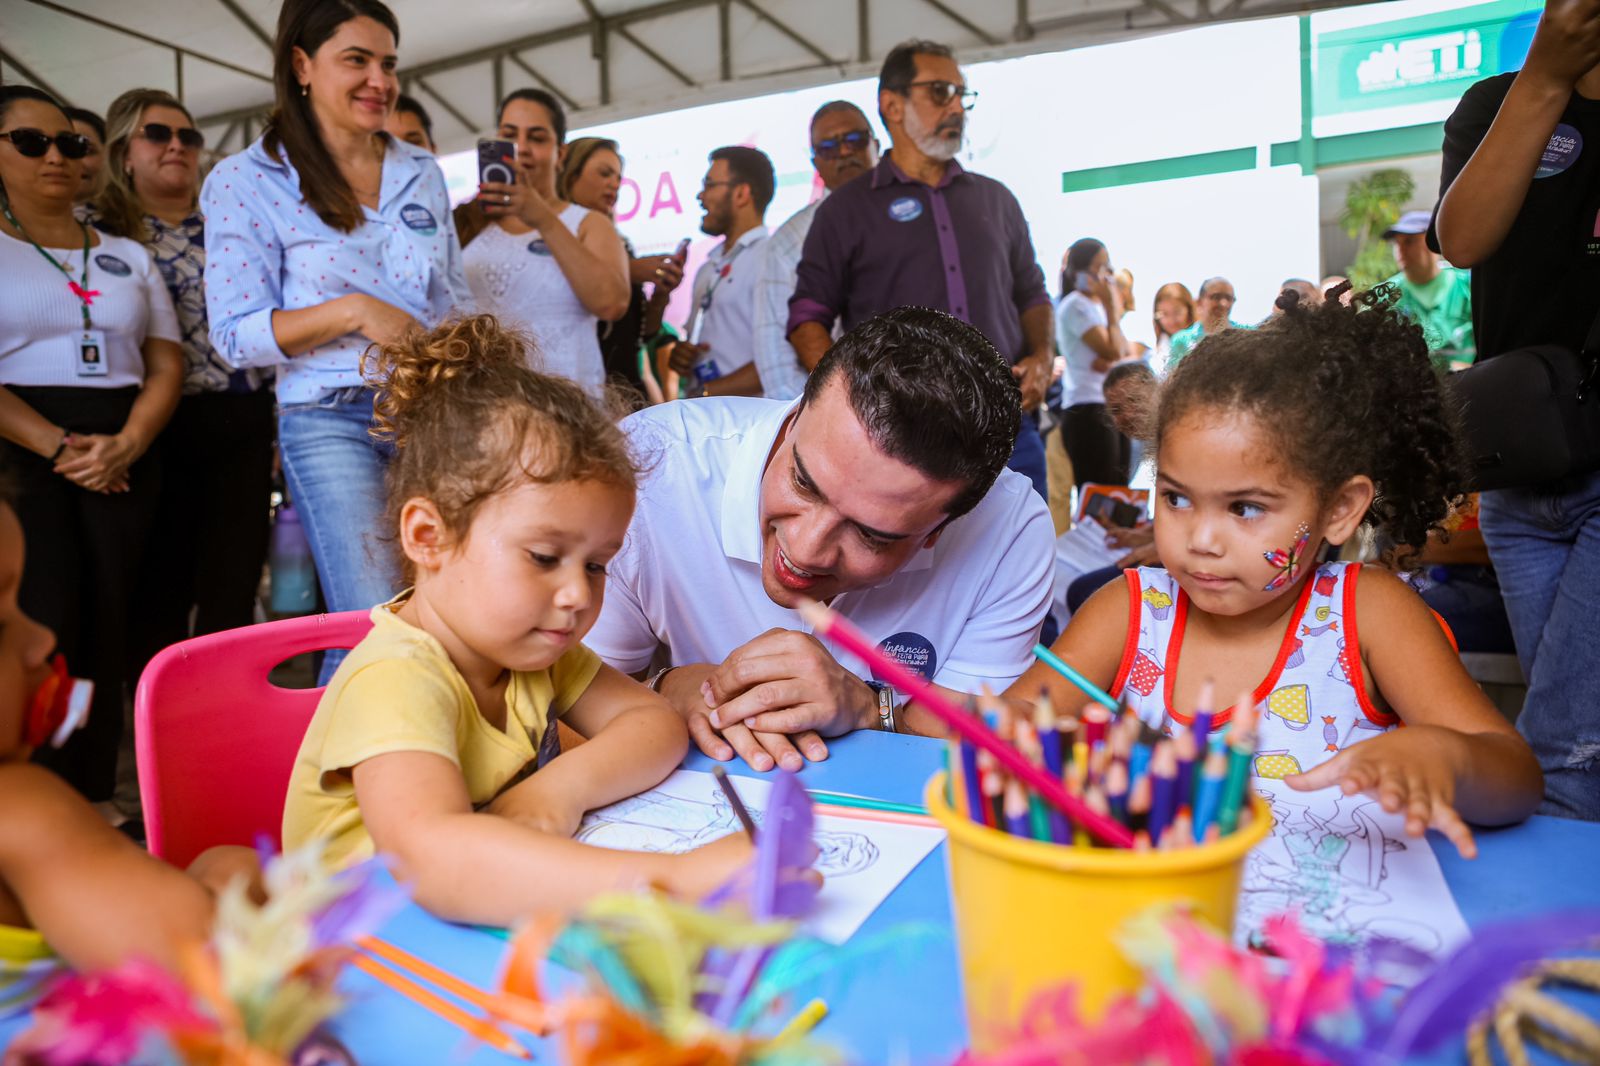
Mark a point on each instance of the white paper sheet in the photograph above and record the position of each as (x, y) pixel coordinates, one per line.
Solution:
(862, 861)
(1349, 869)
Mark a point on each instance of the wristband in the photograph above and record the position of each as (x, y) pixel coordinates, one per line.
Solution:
(66, 439)
(654, 684)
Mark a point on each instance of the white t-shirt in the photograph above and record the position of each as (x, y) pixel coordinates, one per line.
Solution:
(41, 324)
(966, 611)
(516, 277)
(725, 297)
(1075, 316)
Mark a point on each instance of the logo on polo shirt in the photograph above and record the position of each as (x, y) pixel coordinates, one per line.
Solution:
(112, 265)
(420, 219)
(538, 247)
(912, 651)
(1560, 152)
(906, 209)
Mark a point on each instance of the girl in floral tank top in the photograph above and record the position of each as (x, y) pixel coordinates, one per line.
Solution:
(1272, 444)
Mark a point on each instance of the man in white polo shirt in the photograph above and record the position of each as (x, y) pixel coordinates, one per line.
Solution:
(882, 491)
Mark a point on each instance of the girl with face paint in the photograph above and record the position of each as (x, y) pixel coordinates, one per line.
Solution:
(1272, 445)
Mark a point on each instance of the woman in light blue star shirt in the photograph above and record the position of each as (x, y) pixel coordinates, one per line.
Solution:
(322, 238)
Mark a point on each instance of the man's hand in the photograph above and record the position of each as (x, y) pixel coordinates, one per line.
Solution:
(1412, 770)
(1566, 45)
(683, 356)
(1033, 375)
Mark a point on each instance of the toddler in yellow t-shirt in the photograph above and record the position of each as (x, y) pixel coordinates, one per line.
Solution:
(435, 741)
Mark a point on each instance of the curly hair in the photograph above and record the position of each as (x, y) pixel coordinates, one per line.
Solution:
(1347, 391)
(469, 419)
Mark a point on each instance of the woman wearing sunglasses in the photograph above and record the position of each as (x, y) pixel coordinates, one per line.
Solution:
(90, 371)
(324, 237)
(210, 537)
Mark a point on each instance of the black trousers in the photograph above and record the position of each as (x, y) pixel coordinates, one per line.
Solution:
(84, 550)
(209, 539)
(1099, 453)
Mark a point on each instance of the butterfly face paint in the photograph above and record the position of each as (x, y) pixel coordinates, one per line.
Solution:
(59, 708)
(1287, 563)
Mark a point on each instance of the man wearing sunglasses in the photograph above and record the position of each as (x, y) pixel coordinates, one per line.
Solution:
(921, 231)
(842, 148)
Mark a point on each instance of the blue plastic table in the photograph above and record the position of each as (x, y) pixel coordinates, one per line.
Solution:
(905, 1005)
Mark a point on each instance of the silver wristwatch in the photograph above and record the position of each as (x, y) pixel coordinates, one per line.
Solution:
(885, 694)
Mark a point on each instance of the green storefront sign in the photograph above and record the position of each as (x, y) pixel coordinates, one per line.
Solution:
(1421, 59)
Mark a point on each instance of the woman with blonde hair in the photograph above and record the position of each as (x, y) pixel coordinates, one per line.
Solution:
(210, 536)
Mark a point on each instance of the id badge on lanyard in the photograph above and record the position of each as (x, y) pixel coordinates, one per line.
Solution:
(89, 353)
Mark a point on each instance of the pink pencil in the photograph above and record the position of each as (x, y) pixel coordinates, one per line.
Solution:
(839, 629)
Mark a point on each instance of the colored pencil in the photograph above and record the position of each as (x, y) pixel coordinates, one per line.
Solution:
(1241, 749)
(1117, 791)
(478, 1028)
(1050, 749)
(1180, 834)
(1184, 747)
(971, 783)
(1016, 806)
(734, 801)
(863, 814)
(1163, 790)
(1208, 792)
(845, 799)
(1200, 726)
(803, 1022)
(843, 633)
(1087, 687)
(1095, 721)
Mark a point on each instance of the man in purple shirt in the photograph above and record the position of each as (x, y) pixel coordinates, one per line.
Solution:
(919, 230)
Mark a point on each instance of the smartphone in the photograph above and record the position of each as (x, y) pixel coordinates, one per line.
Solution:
(497, 161)
(1083, 282)
(682, 254)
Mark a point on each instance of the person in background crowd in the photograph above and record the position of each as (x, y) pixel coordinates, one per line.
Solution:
(1135, 336)
(90, 371)
(718, 356)
(1517, 208)
(1214, 310)
(1172, 314)
(553, 268)
(324, 237)
(1089, 335)
(209, 541)
(1434, 296)
(842, 148)
(591, 175)
(1333, 281)
(93, 127)
(922, 231)
(1306, 290)
(410, 122)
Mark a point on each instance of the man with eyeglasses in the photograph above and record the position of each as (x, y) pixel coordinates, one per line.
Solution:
(719, 352)
(842, 148)
(921, 231)
(1213, 308)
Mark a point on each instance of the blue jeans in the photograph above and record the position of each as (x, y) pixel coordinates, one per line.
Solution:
(335, 474)
(1545, 544)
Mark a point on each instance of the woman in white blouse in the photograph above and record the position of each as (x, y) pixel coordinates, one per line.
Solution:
(90, 372)
(548, 266)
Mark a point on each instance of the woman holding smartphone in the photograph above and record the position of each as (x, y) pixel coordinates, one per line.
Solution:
(1089, 337)
(591, 175)
(323, 237)
(549, 266)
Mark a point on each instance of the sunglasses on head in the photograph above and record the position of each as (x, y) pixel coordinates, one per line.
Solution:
(59, 708)
(161, 133)
(35, 143)
(834, 147)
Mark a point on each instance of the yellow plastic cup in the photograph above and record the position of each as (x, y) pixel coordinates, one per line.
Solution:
(1032, 916)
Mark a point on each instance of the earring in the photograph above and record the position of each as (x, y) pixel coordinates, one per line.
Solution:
(305, 90)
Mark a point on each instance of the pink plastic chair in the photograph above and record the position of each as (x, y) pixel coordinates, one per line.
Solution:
(215, 740)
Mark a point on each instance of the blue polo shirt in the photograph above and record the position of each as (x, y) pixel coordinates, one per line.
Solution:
(884, 241)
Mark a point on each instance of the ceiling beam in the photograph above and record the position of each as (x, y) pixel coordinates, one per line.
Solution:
(784, 28)
(569, 102)
(249, 23)
(965, 23)
(49, 5)
(440, 99)
(660, 60)
(39, 83)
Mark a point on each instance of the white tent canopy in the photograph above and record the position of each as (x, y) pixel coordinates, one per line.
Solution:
(607, 59)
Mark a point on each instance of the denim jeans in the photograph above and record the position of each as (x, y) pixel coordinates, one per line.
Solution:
(335, 474)
(1545, 544)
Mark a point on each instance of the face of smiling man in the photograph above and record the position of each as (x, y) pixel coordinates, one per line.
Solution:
(836, 512)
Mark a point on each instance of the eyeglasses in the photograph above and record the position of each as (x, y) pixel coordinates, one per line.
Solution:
(161, 133)
(35, 143)
(942, 92)
(834, 147)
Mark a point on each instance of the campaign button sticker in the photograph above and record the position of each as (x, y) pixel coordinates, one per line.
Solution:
(420, 219)
(912, 651)
(906, 209)
(1560, 152)
(112, 265)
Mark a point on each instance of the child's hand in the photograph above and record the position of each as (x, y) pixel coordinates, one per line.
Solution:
(1411, 770)
(536, 804)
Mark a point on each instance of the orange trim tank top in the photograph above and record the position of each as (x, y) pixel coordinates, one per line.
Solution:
(1313, 701)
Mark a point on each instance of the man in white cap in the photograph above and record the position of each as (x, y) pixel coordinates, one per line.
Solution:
(1435, 296)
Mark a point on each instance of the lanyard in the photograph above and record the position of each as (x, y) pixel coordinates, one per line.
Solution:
(722, 272)
(80, 289)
